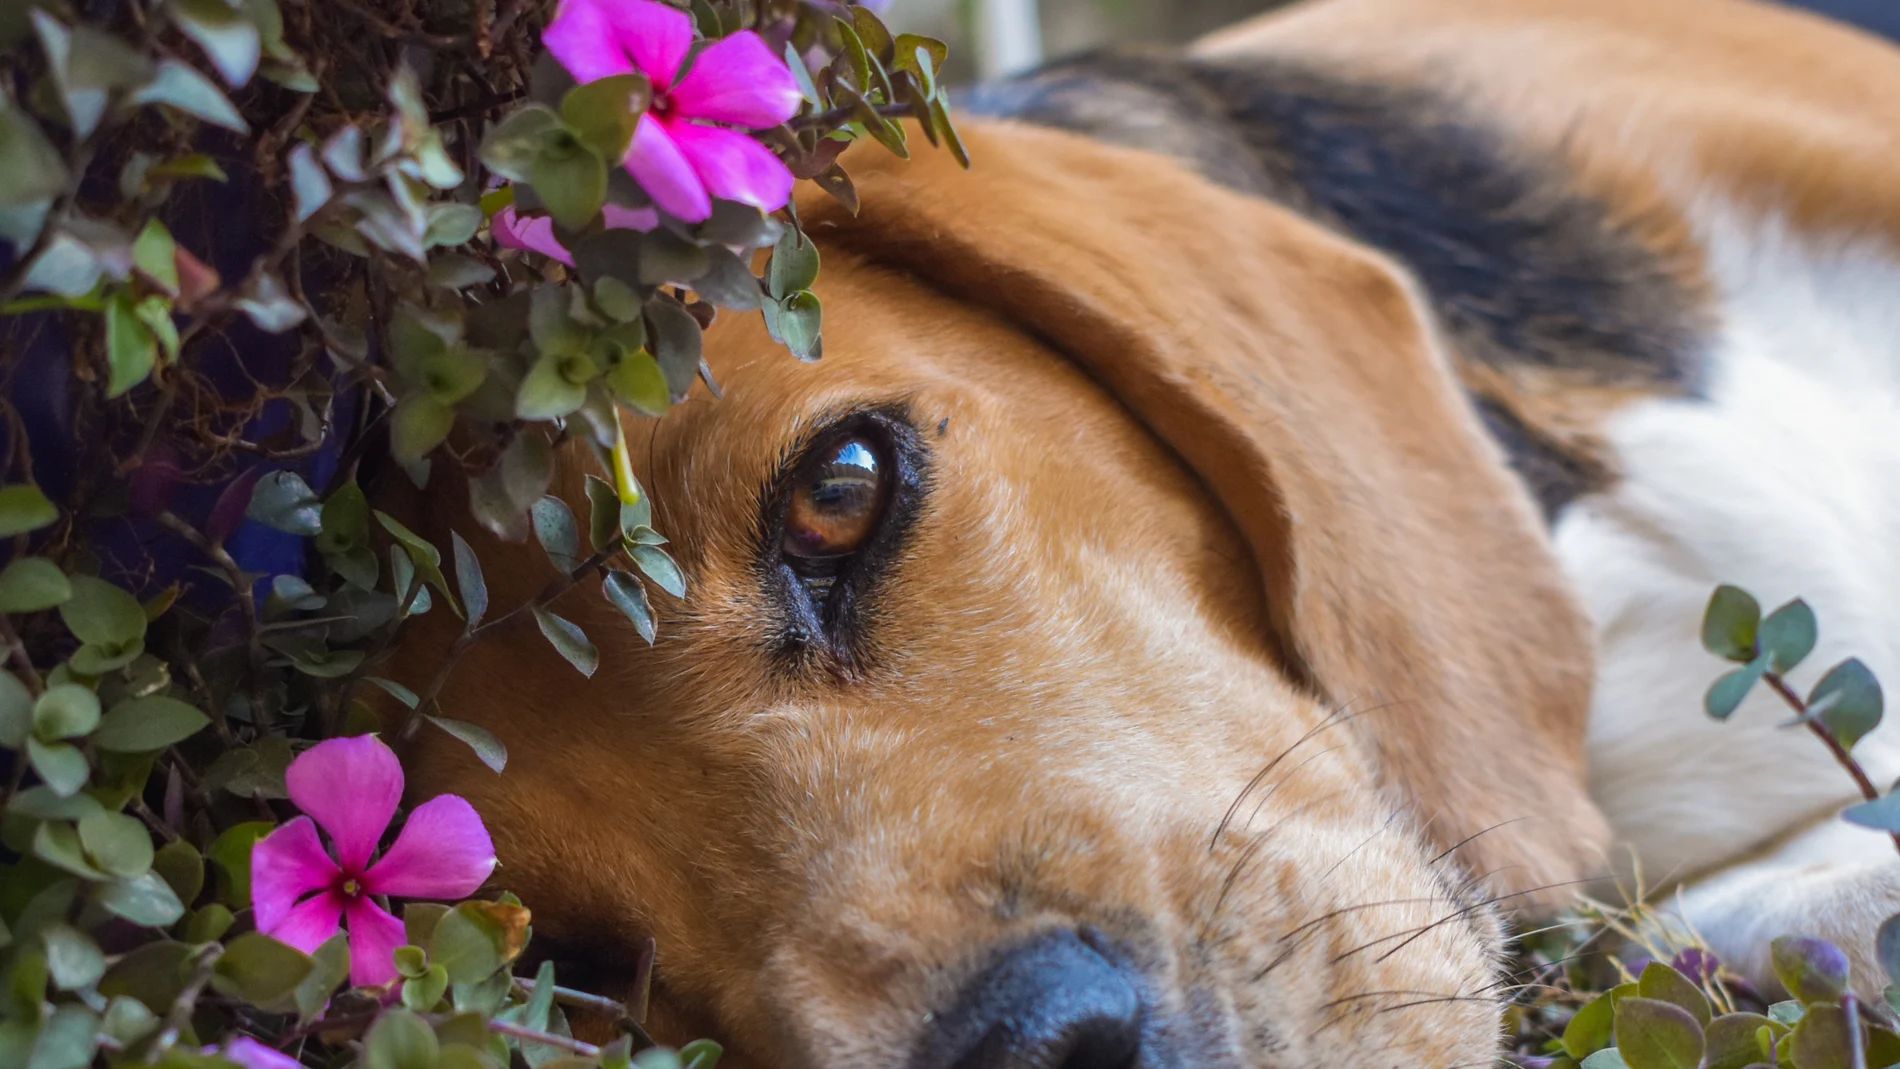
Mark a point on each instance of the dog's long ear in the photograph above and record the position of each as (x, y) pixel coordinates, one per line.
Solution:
(1407, 574)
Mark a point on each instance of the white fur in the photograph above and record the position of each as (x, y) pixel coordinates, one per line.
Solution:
(1784, 478)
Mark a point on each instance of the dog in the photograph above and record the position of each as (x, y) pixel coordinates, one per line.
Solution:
(1244, 542)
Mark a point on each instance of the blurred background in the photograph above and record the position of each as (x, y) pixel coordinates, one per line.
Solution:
(988, 38)
(992, 37)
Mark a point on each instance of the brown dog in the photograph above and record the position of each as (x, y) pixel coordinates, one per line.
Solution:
(1153, 634)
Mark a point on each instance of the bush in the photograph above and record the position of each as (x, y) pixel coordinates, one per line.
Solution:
(255, 245)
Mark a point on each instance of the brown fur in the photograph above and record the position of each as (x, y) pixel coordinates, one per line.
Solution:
(1223, 630)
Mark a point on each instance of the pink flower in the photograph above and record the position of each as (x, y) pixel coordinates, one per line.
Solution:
(681, 162)
(536, 232)
(351, 787)
(251, 1054)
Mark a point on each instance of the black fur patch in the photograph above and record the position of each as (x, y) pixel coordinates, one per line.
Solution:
(1525, 274)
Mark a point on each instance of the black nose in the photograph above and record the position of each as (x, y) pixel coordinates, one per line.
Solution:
(1052, 1003)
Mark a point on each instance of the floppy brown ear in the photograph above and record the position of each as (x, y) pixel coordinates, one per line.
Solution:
(1406, 571)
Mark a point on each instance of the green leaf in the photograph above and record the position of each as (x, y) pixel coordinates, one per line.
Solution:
(1788, 635)
(58, 845)
(65, 711)
(260, 970)
(546, 393)
(1659, 981)
(558, 533)
(1813, 970)
(400, 1040)
(1730, 623)
(72, 958)
(1787, 1013)
(330, 967)
(451, 224)
(674, 338)
(16, 711)
(119, 845)
(309, 182)
(99, 612)
(419, 424)
(421, 993)
(131, 348)
(145, 900)
(487, 747)
(660, 568)
(468, 579)
(24, 508)
(427, 558)
(153, 974)
(541, 1001)
(270, 307)
(637, 380)
(512, 146)
(231, 853)
(29, 584)
(144, 725)
(800, 317)
(1589, 1030)
(60, 764)
(569, 641)
(1731, 1041)
(794, 265)
(32, 165)
(1849, 700)
(570, 178)
(68, 1039)
(208, 924)
(704, 1053)
(1652, 1034)
(42, 803)
(127, 1021)
(469, 944)
(230, 40)
(1822, 1040)
(603, 112)
(179, 86)
(283, 501)
(154, 253)
(628, 595)
(182, 868)
(455, 271)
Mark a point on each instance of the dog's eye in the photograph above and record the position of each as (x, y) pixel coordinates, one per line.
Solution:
(837, 498)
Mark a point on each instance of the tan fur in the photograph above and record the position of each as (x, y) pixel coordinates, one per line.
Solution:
(1224, 629)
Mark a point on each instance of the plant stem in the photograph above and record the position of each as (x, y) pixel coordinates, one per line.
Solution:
(185, 1003)
(21, 660)
(600, 1004)
(587, 1050)
(1846, 760)
(247, 606)
(473, 635)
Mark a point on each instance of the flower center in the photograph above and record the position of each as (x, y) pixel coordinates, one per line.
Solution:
(351, 887)
(660, 105)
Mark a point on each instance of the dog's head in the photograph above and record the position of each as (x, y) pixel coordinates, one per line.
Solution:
(1123, 648)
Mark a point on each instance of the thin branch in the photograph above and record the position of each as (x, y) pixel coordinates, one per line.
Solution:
(1841, 755)
(21, 661)
(247, 605)
(470, 637)
(586, 1050)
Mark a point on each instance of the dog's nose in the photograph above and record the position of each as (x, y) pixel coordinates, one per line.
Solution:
(1052, 1003)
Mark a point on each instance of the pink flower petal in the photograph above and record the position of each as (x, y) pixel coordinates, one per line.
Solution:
(655, 35)
(619, 218)
(657, 164)
(739, 80)
(286, 865)
(443, 852)
(581, 37)
(374, 937)
(351, 787)
(733, 165)
(308, 923)
(535, 233)
(251, 1054)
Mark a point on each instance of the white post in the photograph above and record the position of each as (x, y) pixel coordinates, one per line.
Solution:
(1008, 37)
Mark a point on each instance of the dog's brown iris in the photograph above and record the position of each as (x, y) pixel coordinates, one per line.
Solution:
(837, 497)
